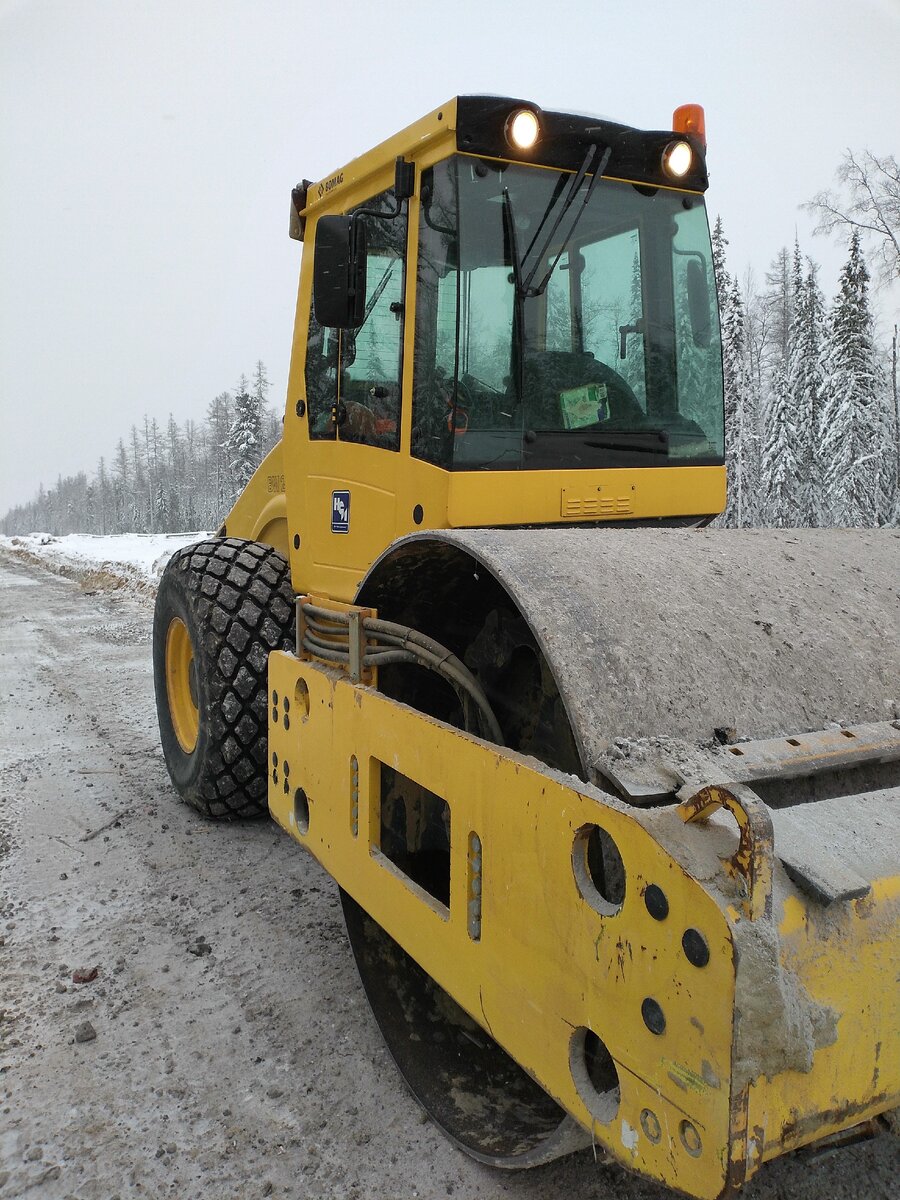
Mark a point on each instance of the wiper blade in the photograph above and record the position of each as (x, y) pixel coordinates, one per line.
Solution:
(510, 220)
(644, 447)
(376, 295)
(526, 284)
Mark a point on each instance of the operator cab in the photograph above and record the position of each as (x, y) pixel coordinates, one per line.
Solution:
(506, 317)
(563, 318)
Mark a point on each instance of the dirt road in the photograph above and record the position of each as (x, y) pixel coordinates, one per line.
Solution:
(233, 1054)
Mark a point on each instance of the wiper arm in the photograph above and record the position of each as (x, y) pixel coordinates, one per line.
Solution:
(376, 295)
(519, 302)
(351, 334)
(526, 286)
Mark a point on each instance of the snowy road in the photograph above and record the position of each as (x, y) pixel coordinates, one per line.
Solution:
(234, 1054)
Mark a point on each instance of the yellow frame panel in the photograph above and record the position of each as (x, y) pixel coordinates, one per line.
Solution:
(548, 962)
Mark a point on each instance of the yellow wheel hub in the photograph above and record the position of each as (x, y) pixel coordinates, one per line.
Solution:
(181, 685)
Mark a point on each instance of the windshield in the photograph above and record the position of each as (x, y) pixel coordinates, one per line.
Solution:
(610, 358)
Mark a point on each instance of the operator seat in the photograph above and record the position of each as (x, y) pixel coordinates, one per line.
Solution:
(549, 373)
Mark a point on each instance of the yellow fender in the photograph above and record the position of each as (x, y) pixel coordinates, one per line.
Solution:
(260, 512)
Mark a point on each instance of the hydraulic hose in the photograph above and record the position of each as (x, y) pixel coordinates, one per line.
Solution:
(326, 635)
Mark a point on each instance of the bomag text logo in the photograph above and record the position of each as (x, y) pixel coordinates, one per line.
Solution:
(330, 184)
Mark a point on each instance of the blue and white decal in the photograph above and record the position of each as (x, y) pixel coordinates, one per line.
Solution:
(340, 512)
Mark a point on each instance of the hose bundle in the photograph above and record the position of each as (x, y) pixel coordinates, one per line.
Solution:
(326, 635)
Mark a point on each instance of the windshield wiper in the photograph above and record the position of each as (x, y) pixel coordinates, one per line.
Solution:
(350, 335)
(518, 347)
(376, 295)
(525, 286)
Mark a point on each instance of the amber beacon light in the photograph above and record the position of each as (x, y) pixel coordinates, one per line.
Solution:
(690, 118)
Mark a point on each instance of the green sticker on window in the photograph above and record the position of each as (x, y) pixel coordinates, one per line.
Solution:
(584, 406)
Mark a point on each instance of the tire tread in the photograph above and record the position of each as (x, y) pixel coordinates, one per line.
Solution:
(240, 598)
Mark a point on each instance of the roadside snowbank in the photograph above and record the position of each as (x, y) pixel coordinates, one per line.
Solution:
(136, 559)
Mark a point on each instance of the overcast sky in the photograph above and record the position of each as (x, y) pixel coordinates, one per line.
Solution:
(148, 149)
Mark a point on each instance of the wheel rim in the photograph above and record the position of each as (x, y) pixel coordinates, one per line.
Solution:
(181, 685)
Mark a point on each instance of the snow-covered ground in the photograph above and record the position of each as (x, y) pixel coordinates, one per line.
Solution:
(181, 1014)
(131, 557)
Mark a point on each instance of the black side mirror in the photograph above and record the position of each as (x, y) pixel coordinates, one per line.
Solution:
(698, 303)
(339, 275)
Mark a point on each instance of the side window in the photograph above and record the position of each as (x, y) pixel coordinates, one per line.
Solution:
(437, 308)
(698, 349)
(361, 401)
(321, 378)
(372, 356)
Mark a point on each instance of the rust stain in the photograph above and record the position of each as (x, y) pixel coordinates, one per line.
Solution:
(876, 1069)
(865, 906)
(803, 1129)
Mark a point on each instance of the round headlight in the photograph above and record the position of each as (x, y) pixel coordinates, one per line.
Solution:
(678, 158)
(522, 129)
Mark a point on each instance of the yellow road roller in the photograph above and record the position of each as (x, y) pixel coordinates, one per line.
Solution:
(611, 797)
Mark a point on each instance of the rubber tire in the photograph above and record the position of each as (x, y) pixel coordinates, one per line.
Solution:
(236, 600)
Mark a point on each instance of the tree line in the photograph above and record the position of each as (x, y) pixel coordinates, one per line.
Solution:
(811, 420)
(163, 478)
(811, 407)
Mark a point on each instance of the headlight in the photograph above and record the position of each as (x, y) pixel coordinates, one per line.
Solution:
(522, 129)
(677, 160)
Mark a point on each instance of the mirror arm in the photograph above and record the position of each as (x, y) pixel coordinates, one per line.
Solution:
(404, 186)
(624, 331)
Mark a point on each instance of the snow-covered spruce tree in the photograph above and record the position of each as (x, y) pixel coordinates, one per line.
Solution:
(853, 395)
(270, 422)
(805, 375)
(152, 454)
(889, 435)
(779, 301)
(161, 509)
(122, 481)
(888, 504)
(196, 477)
(782, 434)
(741, 412)
(219, 416)
(175, 460)
(779, 461)
(244, 442)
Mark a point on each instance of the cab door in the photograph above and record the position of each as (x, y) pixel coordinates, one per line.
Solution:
(353, 403)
